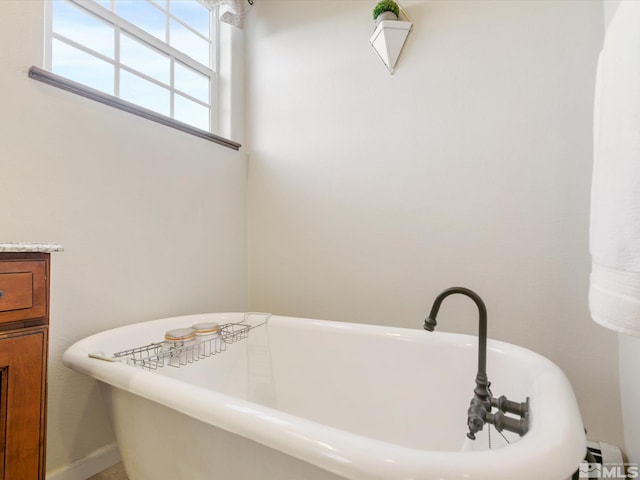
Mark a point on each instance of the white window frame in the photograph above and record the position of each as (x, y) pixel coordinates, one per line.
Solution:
(121, 25)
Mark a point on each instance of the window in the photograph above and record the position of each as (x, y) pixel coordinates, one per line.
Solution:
(158, 54)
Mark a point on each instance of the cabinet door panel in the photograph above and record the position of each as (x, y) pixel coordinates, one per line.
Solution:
(3, 415)
(22, 396)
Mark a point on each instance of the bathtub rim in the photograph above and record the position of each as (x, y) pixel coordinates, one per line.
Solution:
(341, 452)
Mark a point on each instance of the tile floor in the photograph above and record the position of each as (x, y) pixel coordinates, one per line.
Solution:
(115, 472)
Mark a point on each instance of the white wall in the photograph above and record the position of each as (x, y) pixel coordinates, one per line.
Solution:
(471, 165)
(153, 220)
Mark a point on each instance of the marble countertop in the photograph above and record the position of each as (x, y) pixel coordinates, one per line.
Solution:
(30, 247)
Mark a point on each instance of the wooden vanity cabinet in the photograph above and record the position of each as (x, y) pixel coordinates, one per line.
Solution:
(24, 325)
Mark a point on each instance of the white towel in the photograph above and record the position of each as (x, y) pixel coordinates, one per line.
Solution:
(614, 295)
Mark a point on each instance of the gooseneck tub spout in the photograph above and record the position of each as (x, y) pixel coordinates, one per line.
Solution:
(479, 411)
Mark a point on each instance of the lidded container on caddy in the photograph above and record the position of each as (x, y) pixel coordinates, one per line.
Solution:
(208, 338)
(181, 343)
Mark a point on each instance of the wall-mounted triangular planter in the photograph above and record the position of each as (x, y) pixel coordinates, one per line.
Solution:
(388, 39)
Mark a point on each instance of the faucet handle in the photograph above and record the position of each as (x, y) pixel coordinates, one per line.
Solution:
(476, 417)
(505, 405)
(510, 424)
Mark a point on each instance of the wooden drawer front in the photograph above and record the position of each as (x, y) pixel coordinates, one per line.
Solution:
(17, 291)
(24, 292)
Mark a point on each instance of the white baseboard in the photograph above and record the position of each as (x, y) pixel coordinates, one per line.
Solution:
(88, 466)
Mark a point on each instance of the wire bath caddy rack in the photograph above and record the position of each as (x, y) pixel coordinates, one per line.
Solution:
(177, 354)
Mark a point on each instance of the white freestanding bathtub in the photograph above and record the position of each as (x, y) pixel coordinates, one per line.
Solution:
(303, 399)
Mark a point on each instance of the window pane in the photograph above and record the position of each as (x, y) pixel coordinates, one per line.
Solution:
(162, 65)
(137, 90)
(145, 59)
(192, 113)
(191, 82)
(80, 26)
(194, 14)
(144, 15)
(185, 40)
(81, 67)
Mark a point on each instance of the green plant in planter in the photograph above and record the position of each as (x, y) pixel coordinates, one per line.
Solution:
(386, 6)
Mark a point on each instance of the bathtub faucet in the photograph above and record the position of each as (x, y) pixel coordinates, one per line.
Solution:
(480, 409)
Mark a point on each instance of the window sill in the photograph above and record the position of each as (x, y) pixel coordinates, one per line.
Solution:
(115, 102)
